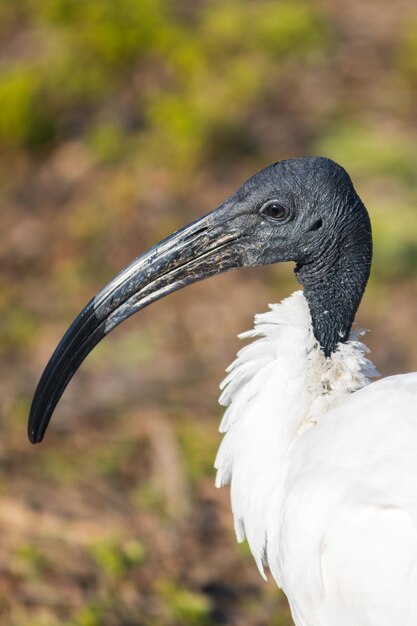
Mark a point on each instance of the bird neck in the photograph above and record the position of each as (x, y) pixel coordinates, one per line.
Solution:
(335, 282)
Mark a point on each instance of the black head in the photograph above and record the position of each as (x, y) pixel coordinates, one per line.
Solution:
(298, 210)
(303, 210)
(306, 210)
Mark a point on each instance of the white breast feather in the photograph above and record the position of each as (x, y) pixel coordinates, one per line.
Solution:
(277, 388)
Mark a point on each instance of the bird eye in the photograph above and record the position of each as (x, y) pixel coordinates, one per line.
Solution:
(275, 211)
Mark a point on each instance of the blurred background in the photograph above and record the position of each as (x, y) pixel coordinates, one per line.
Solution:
(120, 121)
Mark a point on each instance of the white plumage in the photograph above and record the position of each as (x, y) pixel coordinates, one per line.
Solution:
(323, 472)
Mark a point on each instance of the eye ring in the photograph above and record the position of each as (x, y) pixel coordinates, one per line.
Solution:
(275, 211)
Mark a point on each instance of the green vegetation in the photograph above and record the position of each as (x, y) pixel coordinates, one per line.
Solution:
(87, 54)
(114, 561)
(198, 448)
(121, 120)
(187, 607)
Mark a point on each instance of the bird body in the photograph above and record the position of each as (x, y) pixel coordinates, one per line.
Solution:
(322, 462)
(323, 471)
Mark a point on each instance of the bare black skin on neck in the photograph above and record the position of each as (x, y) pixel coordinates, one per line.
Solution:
(335, 279)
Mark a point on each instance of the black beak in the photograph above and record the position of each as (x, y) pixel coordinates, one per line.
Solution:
(207, 247)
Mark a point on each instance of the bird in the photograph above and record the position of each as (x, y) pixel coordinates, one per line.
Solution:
(319, 451)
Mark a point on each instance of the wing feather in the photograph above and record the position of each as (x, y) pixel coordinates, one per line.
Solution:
(348, 540)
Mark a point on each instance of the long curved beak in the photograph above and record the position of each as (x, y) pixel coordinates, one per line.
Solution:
(202, 249)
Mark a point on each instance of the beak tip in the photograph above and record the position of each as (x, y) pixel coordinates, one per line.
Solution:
(35, 439)
(32, 437)
(35, 435)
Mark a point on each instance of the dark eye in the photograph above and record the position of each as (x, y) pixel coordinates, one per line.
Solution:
(275, 210)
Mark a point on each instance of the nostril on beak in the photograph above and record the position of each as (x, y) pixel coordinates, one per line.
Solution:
(316, 225)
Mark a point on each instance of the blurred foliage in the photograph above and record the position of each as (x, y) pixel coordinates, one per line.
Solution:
(119, 122)
(87, 56)
(190, 609)
(198, 448)
(114, 562)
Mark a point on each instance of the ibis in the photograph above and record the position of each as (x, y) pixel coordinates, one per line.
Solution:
(321, 459)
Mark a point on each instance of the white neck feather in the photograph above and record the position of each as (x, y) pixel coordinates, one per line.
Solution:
(278, 386)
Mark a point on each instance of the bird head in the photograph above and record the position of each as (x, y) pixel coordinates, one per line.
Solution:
(303, 210)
